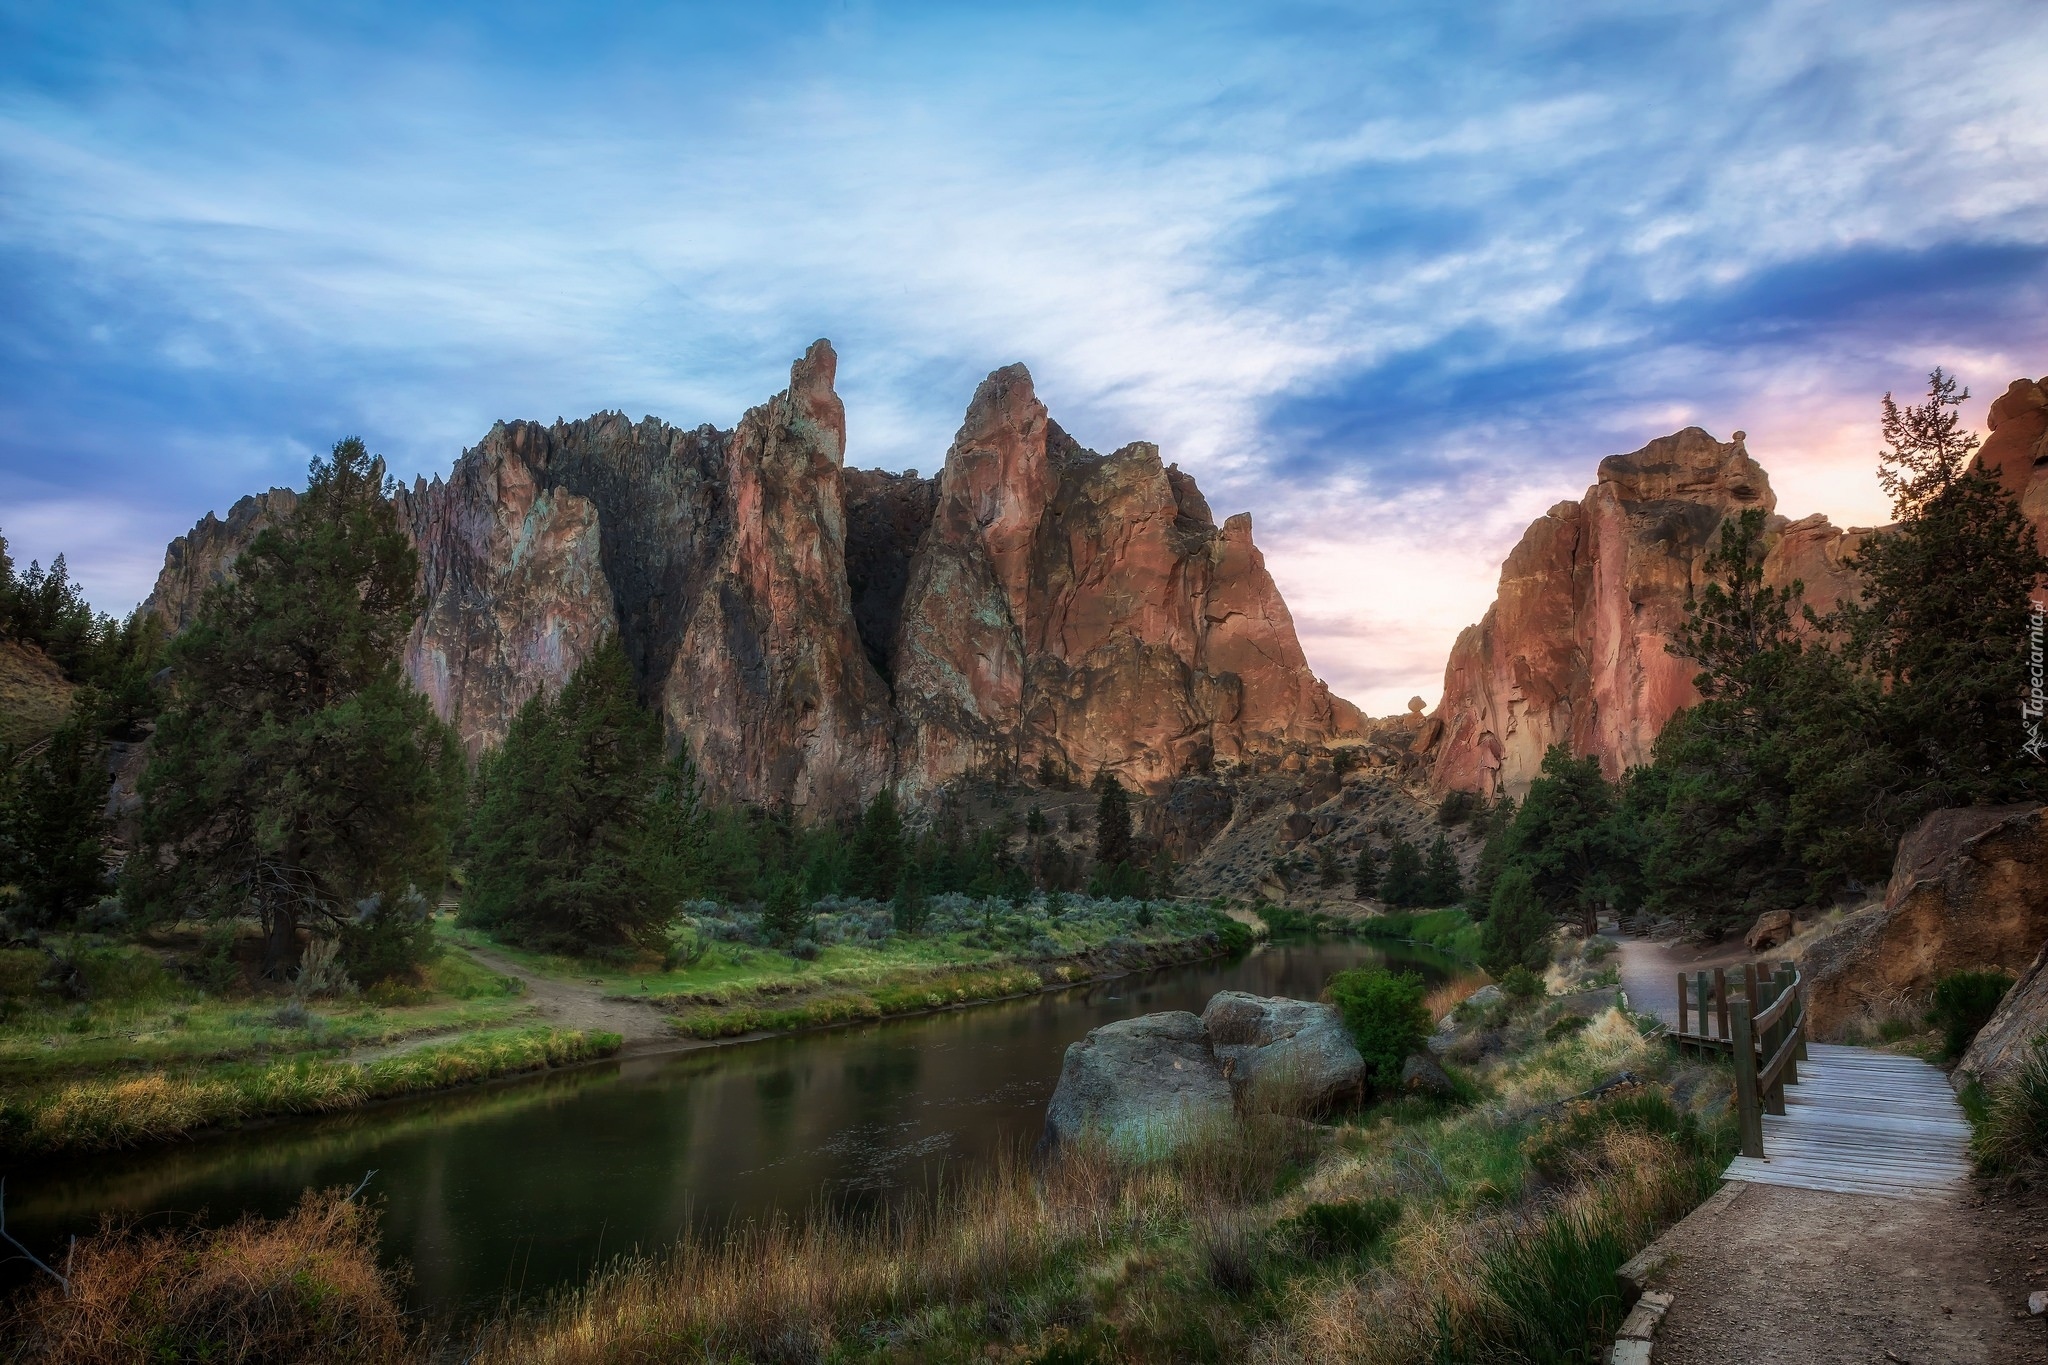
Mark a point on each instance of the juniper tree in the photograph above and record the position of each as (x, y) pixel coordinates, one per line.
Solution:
(1442, 881)
(1112, 821)
(1365, 873)
(1401, 883)
(294, 774)
(52, 822)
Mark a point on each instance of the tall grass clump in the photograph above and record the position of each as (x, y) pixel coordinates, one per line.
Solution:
(303, 1288)
(1963, 1003)
(2012, 1138)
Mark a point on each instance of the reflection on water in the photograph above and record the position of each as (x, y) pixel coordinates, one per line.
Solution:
(524, 1186)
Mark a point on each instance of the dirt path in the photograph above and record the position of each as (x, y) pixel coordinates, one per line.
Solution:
(1800, 1275)
(573, 1004)
(1650, 968)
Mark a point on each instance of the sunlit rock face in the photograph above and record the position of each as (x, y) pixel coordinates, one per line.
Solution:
(816, 633)
(2016, 451)
(1573, 650)
(1086, 609)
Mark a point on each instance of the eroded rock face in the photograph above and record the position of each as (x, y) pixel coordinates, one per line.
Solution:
(206, 554)
(2007, 1042)
(2017, 449)
(1144, 1084)
(1573, 649)
(1969, 891)
(1037, 600)
(1087, 610)
(1290, 1053)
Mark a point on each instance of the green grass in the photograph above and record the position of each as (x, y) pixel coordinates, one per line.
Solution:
(110, 1112)
(143, 1012)
(1450, 931)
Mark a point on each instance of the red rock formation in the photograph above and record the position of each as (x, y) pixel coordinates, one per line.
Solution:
(1573, 649)
(2017, 449)
(206, 554)
(1036, 600)
(1086, 609)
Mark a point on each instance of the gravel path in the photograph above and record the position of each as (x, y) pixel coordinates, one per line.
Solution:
(572, 1004)
(1801, 1275)
(1650, 968)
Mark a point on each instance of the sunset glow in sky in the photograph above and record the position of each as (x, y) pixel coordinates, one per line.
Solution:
(1392, 277)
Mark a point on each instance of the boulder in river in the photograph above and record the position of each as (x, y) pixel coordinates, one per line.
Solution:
(1286, 1052)
(1145, 1083)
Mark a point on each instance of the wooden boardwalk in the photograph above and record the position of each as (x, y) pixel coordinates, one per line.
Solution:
(1863, 1122)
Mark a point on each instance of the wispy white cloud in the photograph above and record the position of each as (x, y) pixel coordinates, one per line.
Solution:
(1390, 282)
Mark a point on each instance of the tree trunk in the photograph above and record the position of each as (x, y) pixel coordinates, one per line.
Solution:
(280, 941)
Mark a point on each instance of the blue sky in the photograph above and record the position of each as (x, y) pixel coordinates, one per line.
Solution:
(1392, 277)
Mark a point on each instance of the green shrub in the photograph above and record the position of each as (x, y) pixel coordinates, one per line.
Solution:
(1522, 984)
(1385, 1014)
(1964, 1002)
(1346, 1229)
(1564, 1026)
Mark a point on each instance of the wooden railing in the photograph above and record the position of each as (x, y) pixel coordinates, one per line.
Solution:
(1761, 1025)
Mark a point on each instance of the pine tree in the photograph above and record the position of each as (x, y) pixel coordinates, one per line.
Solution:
(910, 908)
(1497, 825)
(1329, 872)
(783, 917)
(875, 862)
(52, 823)
(294, 772)
(1442, 881)
(1365, 873)
(1518, 927)
(1112, 822)
(1401, 885)
(563, 855)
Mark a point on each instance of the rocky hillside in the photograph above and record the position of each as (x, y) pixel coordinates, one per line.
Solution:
(817, 632)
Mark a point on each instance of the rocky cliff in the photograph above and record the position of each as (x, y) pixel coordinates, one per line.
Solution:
(1573, 649)
(1085, 611)
(205, 555)
(2017, 449)
(815, 633)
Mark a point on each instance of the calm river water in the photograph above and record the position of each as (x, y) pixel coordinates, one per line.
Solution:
(524, 1186)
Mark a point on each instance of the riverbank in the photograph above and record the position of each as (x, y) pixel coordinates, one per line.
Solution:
(1408, 1231)
(149, 1055)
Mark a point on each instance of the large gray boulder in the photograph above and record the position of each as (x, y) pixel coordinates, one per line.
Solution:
(1145, 1084)
(1283, 1053)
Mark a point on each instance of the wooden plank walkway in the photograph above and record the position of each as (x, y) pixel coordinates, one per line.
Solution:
(1863, 1122)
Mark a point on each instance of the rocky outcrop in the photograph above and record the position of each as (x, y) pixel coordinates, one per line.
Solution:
(1291, 1053)
(1144, 1084)
(718, 556)
(2009, 1040)
(1573, 649)
(2016, 452)
(206, 555)
(1969, 890)
(815, 633)
(1086, 611)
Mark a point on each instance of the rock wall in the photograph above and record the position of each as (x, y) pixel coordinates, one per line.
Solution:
(1573, 649)
(2017, 449)
(1087, 610)
(2009, 1039)
(815, 633)
(1968, 891)
(206, 554)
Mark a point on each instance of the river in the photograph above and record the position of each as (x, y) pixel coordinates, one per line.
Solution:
(523, 1186)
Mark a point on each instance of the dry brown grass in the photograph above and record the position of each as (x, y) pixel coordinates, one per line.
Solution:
(1448, 995)
(303, 1288)
(794, 1290)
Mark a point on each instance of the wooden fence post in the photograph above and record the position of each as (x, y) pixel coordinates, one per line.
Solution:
(1749, 1123)
(1720, 1001)
(1681, 1006)
(1787, 982)
(1772, 1099)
